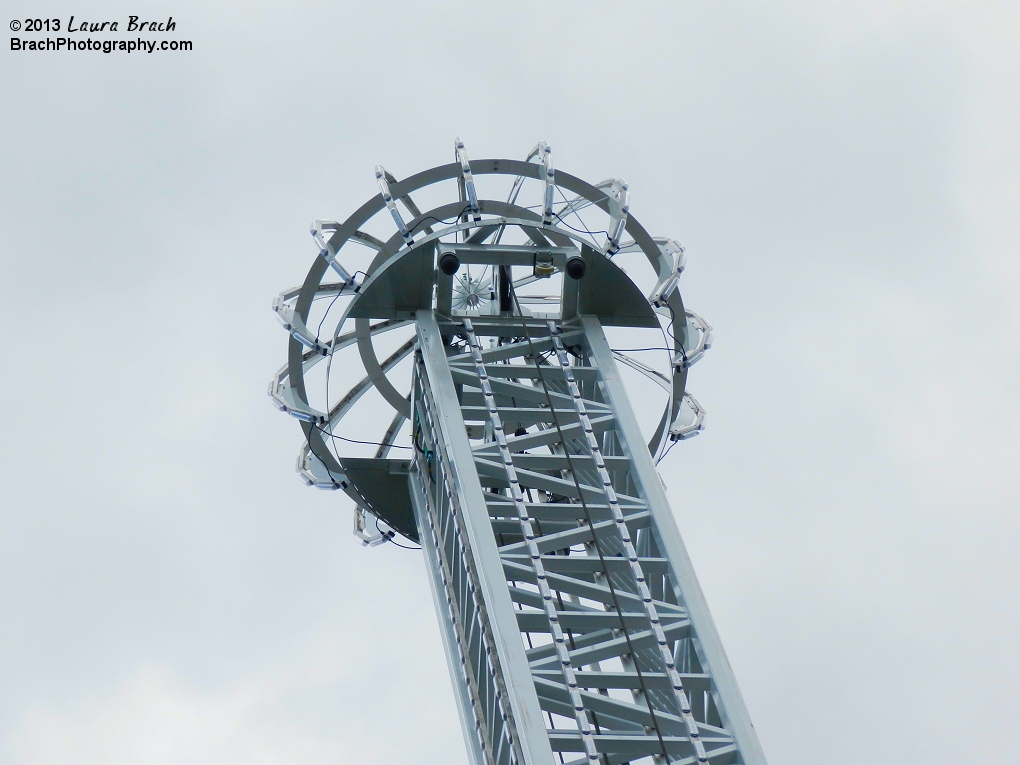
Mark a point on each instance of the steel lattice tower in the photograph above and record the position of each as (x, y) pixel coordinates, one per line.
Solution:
(574, 625)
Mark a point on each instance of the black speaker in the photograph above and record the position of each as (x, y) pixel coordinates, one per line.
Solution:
(575, 267)
(450, 263)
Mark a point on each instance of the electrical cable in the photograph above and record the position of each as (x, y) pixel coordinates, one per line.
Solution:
(678, 347)
(356, 441)
(402, 547)
(455, 218)
(389, 537)
(672, 321)
(577, 215)
(337, 297)
(308, 440)
(579, 230)
(668, 450)
(636, 350)
(329, 369)
(591, 528)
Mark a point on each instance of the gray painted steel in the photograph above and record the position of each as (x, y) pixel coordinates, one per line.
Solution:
(574, 626)
(627, 613)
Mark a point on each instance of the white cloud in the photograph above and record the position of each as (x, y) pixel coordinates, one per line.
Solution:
(324, 706)
(157, 719)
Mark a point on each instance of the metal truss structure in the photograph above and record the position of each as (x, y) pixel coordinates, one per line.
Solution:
(573, 622)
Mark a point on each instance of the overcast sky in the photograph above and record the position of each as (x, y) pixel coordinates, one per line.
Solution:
(845, 178)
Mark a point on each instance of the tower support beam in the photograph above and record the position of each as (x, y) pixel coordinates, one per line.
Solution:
(573, 621)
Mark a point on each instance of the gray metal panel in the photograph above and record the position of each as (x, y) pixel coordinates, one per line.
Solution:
(732, 708)
(401, 287)
(383, 485)
(607, 292)
(502, 620)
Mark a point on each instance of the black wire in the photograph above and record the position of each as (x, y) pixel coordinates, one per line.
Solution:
(679, 350)
(591, 528)
(389, 537)
(672, 321)
(356, 441)
(329, 368)
(579, 230)
(330, 307)
(403, 547)
(308, 440)
(317, 332)
(668, 450)
(635, 350)
(577, 215)
(678, 347)
(437, 220)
